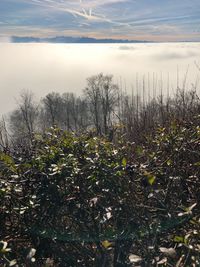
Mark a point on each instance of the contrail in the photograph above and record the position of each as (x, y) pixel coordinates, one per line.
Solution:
(90, 16)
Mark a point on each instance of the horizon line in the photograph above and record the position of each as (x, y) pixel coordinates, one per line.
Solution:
(86, 39)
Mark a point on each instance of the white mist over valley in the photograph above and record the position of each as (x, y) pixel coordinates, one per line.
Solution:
(43, 68)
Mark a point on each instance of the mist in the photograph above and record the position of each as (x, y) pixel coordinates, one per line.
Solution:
(43, 68)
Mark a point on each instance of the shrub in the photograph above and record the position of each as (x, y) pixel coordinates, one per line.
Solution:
(83, 201)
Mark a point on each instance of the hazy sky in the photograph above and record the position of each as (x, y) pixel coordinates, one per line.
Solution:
(161, 20)
(43, 68)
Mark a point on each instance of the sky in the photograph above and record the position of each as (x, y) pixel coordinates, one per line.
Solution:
(151, 20)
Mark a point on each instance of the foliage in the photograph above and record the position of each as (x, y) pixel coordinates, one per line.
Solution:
(84, 201)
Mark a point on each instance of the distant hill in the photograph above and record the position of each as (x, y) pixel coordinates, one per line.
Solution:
(68, 39)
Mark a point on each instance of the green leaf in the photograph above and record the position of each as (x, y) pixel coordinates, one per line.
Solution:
(169, 162)
(124, 162)
(6, 159)
(179, 239)
(151, 179)
(106, 244)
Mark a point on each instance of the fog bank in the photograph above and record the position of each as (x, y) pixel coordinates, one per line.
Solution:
(42, 68)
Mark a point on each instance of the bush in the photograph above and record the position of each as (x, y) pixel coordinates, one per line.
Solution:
(83, 201)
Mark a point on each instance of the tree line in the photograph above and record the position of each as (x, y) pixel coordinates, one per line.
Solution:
(104, 109)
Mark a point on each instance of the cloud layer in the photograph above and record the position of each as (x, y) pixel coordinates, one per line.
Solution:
(42, 68)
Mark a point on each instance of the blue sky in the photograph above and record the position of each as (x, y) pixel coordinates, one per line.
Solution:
(156, 20)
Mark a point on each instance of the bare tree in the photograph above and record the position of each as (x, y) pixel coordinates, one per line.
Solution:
(52, 109)
(101, 93)
(23, 120)
(4, 139)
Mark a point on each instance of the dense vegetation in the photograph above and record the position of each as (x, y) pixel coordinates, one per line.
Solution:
(102, 108)
(105, 196)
